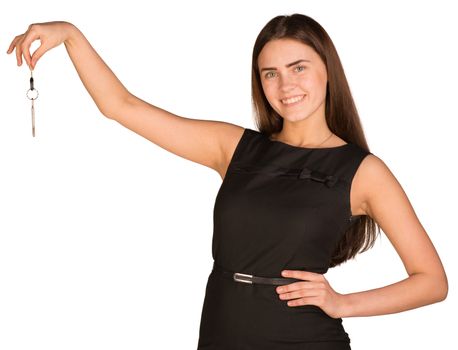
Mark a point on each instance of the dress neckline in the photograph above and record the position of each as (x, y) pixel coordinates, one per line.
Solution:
(284, 144)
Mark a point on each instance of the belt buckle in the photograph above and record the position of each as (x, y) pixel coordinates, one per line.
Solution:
(240, 277)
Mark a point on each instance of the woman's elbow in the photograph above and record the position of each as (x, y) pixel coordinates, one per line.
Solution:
(444, 290)
(441, 287)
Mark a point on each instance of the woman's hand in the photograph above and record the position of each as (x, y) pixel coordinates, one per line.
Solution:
(315, 290)
(51, 34)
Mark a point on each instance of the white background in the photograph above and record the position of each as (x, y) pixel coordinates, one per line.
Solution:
(105, 238)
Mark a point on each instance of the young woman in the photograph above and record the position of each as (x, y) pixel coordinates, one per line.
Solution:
(299, 196)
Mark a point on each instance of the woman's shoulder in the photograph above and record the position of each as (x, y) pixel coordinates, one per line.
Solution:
(373, 178)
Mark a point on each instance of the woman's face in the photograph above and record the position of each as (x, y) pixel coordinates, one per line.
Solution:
(293, 78)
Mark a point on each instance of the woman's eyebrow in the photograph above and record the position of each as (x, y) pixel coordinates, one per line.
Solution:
(287, 65)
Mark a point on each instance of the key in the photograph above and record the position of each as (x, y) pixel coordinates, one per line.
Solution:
(32, 94)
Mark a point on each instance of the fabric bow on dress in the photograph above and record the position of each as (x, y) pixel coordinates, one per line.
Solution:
(328, 180)
(301, 173)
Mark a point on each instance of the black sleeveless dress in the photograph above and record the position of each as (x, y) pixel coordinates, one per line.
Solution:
(273, 212)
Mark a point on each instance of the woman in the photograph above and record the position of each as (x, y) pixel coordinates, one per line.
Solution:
(302, 194)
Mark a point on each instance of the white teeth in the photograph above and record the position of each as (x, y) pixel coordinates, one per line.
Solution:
(292, 100)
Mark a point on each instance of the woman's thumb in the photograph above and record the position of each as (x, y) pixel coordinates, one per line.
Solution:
(36, 55)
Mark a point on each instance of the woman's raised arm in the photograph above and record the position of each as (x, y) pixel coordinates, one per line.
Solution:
(207, 142)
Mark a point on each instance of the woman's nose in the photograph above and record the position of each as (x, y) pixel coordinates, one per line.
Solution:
(287, 83)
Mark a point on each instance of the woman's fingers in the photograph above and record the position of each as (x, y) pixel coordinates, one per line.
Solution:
(29, 38)
(19, 51)
(302, 289)
(14, 45)
(22, 44)
(40, 51)
(50, 34)
(17, 43)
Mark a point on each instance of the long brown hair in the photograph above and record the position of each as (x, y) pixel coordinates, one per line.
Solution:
(340, 110)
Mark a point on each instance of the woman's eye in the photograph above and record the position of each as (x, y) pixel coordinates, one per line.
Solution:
(269, 74)
(300, 68)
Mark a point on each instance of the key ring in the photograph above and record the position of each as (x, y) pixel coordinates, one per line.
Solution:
(32, 94)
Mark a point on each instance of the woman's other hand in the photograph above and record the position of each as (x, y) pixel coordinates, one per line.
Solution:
(314, 290)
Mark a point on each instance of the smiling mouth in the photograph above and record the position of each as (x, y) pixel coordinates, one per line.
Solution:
(292, 100)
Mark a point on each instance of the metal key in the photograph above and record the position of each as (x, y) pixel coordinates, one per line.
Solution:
(32, 94)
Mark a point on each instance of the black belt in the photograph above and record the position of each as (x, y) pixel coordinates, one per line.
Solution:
(245, 278)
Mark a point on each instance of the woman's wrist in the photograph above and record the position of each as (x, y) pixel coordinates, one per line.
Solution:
(345, 308)
(71, 33)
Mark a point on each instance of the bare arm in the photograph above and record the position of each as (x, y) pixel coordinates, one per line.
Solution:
(382, 198)
(207, 142)
(102, 84)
